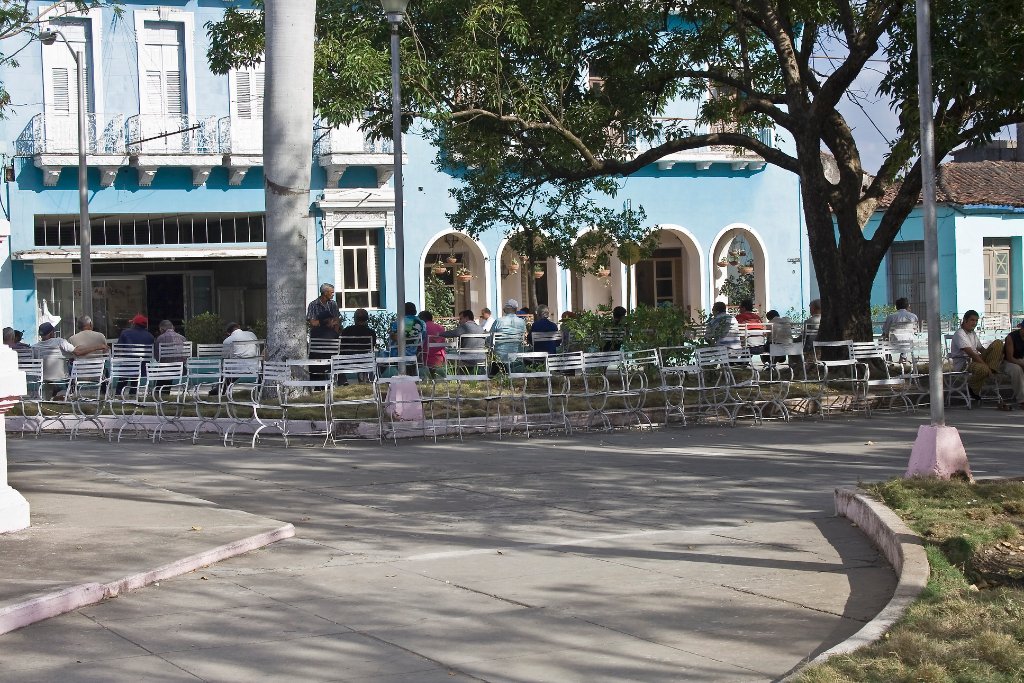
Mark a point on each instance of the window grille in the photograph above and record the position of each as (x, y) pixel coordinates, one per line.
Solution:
(62, 231)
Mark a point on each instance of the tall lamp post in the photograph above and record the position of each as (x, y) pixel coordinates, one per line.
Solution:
(395, 11)
(49, 37)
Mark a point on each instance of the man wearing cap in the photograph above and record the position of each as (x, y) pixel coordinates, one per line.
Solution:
(1013, 362)
(54, 352)
(510, 329)
(137, 333)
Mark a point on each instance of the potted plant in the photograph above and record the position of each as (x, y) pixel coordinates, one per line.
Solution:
(722, 262)
(452, 259)
(538, 270)
(463, 274)
(734, 258)
(439, 268)
(601, 266)
(513, 266)
(603, 271)
(748, 267)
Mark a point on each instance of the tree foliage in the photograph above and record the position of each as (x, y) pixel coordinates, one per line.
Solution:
(511, 77)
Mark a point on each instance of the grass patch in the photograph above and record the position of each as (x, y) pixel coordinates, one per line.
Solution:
(968, 624)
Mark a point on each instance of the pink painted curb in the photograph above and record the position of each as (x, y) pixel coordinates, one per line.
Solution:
(904, 551)
(45, 606)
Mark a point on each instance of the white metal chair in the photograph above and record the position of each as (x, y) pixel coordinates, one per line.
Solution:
(839, 374)
(675, 367)
(529, 380)
(215, 350)
(467, 370)
(204, 379)
(159, 394)
(32, 400)
(86, 393)
(349, 399)
(240, 386)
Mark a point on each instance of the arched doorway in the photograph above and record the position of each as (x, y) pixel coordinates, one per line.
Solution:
(516, 278)
(453, 263)
(672, 275)
(739, 268)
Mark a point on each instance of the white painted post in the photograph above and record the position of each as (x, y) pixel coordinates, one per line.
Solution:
(13, 506)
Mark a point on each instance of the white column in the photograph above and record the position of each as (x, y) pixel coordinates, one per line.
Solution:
(13, 506)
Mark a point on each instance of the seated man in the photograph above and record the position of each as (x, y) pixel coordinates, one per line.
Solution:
(238, 343)
(747, 316)
(967, 353)
(721, 328)
(543, 324)
(178, 349)
(359, 337)
(466, 326)
(55, 353)
(616, 332)
(86, 336)
(138, 333)
(507, 333)
(1013, 362)
(901, 320)
(414, 328)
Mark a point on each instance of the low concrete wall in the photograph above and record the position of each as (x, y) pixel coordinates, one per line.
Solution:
(900, 546)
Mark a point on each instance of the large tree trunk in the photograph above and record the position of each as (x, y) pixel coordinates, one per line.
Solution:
(287, 159)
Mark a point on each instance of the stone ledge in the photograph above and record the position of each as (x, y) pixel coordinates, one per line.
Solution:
(904, 551)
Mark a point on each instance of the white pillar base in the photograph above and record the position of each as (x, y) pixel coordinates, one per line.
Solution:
(938, 452)
(13, 511)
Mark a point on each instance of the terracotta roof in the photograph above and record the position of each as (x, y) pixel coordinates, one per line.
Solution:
(993, 183)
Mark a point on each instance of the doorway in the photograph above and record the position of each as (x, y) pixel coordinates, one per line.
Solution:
(165, 298)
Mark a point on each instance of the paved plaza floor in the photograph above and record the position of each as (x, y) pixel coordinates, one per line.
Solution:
(682, 554)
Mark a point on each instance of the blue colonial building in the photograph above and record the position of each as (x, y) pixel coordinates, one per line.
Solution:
(176, 199)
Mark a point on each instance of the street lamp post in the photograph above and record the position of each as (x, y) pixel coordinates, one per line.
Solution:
(49, 37)
(395, 11)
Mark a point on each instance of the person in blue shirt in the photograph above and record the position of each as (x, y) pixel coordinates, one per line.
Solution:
(543, 324)
(137, 333)
(414, 329)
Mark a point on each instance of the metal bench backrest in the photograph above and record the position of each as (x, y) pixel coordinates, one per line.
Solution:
(325, 347)
(566, 362)
(204, 350)
(143, 352)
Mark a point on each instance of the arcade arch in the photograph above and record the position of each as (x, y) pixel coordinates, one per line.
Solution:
(455, 253)
(741, 244)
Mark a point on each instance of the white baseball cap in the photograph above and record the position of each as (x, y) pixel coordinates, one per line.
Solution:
(512, 303)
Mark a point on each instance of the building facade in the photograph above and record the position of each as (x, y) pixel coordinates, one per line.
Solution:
(177, 208)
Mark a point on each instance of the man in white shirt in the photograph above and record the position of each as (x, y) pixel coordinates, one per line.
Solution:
(901, 320)
(966, 352)
(722, 329)
(510, 331)
(238, 343)
(486, 321)
(55, 352)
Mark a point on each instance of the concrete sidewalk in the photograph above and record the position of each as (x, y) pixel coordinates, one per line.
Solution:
(681, 554)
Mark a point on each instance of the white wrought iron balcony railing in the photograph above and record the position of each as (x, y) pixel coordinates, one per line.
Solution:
(240, 136)
(58, 134)
(704, 156)
(346, 140)
(172, 135)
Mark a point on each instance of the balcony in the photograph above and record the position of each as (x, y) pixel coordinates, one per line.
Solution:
(149, 142)
(155, 141)
(703, 158)
(335, 149)
(241, 143)
(52, 141)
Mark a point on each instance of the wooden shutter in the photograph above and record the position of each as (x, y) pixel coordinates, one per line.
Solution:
(61, 90)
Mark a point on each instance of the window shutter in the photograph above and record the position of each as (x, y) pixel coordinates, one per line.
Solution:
(174, 99)
(154, 99)
(61, 91)
(257, 93)
(243, 95)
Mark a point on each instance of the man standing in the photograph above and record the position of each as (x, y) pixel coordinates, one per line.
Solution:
(486, 321)
(324, 303)
(175, 353)
(239, 343)
(967, 353)
(86, 336)
(467, 326)
(137, 333)
(55, 352)
(902, 319)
